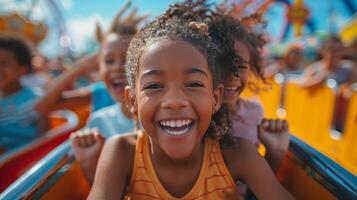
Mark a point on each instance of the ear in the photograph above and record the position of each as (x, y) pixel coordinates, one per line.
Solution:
(130, 100)
(217, 97)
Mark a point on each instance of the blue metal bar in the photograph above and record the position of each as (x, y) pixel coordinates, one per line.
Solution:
(333, 177)
(33, 176)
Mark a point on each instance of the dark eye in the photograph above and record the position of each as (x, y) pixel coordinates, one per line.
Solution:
(152, 86)
(194, 84)
(109, 61)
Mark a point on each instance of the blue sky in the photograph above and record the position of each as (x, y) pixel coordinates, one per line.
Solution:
(108, 8)
(96, 10)
(80, 17)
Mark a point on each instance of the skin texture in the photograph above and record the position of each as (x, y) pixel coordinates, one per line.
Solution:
(274, 134)
(182, 90)
(174, 82)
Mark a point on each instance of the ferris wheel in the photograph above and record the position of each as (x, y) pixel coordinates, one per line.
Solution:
(44, 16)
(297, 15)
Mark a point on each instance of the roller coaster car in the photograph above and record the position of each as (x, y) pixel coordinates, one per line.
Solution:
(15, 162)
(306, 173)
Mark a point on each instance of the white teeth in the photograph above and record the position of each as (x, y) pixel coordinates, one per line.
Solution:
(117, 81)
(231, 88)
(184, 124)
(176, 123)
(176, 133)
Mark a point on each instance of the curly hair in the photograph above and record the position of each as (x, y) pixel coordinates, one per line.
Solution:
(122, 26)
(225, 30)
(186, 21)
(19, 48)
(172, 26)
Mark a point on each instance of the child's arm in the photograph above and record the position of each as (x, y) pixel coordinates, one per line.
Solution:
(53, 95)
(114, 168)
(87, 145)
(311, 76)
(274, 134)
(247, 165)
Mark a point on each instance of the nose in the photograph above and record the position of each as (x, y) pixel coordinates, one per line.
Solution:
(174, 98)
(233, 76)
(117, 68)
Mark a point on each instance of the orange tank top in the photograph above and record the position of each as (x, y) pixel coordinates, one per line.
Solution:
(214, 181)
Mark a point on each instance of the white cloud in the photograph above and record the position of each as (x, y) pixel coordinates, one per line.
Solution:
(82, 31)
(11, 5)
(40, 13)
(67, 4)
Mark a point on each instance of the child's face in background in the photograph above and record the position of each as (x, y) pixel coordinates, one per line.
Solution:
(111, 61)
(293, 58)
(175, 98)
(233, 84)
(40, 63)
(10, 70)
(333, 52)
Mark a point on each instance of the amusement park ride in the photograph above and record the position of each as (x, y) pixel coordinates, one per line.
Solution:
(15, 24)
(321, 164)
(23, 25)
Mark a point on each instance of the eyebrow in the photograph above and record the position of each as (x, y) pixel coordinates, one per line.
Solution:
(151, 72)
(194, 70)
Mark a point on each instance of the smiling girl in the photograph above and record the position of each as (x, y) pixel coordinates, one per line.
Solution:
(176, 92)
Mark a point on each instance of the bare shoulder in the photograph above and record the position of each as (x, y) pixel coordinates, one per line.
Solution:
(123, 142)
(240, 158)
(114, 167)
(122, 148)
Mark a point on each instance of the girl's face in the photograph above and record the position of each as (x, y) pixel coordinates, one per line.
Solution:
(112, 60)
(233, 84)
(10, 70)
(174, 96)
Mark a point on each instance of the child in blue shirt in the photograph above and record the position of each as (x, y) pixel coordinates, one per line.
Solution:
(20, 120)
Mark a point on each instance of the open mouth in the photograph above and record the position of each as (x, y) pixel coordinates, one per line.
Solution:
(118, 83)
(231, 90)
(176, 127)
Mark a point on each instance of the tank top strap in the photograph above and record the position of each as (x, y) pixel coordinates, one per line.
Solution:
(138, 158)
(218, 172)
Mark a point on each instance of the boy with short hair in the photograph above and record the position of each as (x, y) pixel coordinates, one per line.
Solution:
(20, 122)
